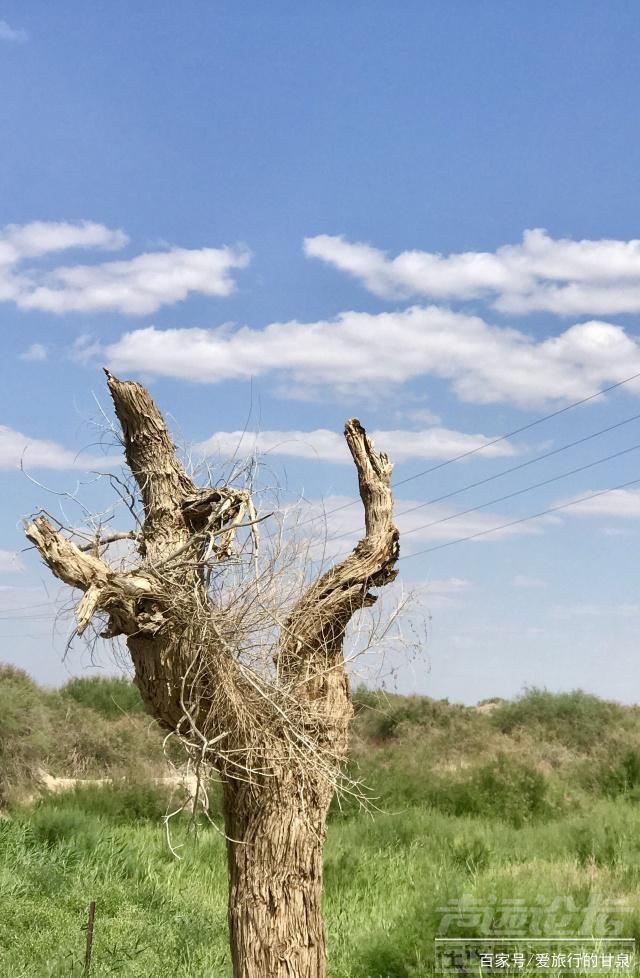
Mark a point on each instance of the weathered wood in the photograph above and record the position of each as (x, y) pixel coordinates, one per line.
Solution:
(278, 744)
(312, 636)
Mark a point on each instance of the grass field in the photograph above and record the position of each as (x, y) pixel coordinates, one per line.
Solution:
(534, 800)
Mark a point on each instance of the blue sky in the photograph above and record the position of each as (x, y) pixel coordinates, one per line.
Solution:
(285, 215)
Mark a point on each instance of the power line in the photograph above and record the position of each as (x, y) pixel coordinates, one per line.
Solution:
(489, 444)
(523, 519)
(520, 492)
(518, 431)
(524, 465)
(509, 471)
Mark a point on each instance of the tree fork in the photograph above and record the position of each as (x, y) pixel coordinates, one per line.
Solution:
(278, 743)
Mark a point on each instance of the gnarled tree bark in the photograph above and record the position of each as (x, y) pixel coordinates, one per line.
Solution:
(277, 741)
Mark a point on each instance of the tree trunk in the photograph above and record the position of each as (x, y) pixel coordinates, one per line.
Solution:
(277, 740)
(275, 840)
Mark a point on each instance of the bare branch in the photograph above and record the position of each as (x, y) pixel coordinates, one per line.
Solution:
(103, 587)
(64, 558)
(318, 621)
(111, 538)
(151, 456)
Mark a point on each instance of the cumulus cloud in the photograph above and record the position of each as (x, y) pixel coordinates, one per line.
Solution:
(357, 350)
(8, 33)
(596, 611)
(329, 446)
(441, 593)
(616, 531)
(34, 453)
(136, 286)
(419, 416)
(36, 353)
(447, 523)
(561, 276)
(22, 241)
(623, 503)
(343, 523)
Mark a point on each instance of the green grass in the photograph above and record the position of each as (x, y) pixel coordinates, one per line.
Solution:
(533, 799)
(111, 697)
(158, 916)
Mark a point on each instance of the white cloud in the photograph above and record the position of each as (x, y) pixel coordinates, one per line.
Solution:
(139, 286)
(344, 525)
(419, 416)
(521, 580)
(36, 453)
(8, 33)
(596, 611)
(36, 353)
(616, 531)
(561, 276)
(329, 446)
(438, 443)
(448, 585)
(440, 593)
(366, 351)
(10, 562)
(444, 524)
(86, 348)
(624, 503)
(21, 241)
(135, 286)
(333, 526)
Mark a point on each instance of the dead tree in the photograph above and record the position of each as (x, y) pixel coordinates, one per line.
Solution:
(277, 736)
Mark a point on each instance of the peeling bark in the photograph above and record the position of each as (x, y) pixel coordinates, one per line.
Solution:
(188, 674)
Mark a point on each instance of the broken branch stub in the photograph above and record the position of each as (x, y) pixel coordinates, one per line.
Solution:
(151, 457)
(186, 645)
(104, 589)
(315, 628)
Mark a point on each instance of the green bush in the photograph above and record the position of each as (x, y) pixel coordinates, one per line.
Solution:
(382, 716)
(25, 734)
(577, 720)
(600, 845)
(110, 696)
(615, 775)
(473, 853)
(503, 789)
(89, 729)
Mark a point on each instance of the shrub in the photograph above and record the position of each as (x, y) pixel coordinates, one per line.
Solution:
(474, 854)
(577, 720)
(602, 845)
(503, 789)
(50, 825)
(111, 697)
(611, 779)
(25, 734)
(379, 716)
(90, 729)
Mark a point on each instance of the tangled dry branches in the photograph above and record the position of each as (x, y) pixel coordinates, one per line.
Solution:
(234, 650)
